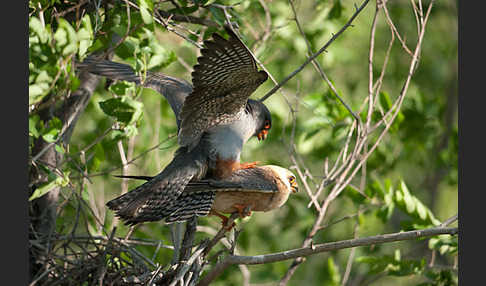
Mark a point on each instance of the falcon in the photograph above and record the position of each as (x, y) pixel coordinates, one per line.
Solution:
(262, 188)
(215, 117)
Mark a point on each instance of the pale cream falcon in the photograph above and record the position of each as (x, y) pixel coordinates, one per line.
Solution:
(262, 188)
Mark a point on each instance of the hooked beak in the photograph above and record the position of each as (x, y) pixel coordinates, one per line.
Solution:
(294, 188)
(262, 135)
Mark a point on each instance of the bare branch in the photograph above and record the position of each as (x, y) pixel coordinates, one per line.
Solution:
(318, 66)
(325, 247)
(315, 55)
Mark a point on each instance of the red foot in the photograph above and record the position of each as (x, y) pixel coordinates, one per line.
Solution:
(224, 220)
(243, 210)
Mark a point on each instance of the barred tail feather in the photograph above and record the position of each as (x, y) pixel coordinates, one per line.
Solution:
(189, 205)
(157, 198)
(126, 205)
(185, 207)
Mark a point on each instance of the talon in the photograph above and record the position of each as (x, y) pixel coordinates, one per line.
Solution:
(224, 220)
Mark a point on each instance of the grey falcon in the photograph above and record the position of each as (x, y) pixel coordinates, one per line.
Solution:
(215, 117)
(262, 188)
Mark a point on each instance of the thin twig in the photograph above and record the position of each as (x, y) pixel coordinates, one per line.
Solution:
(312, 57)
(318, 66)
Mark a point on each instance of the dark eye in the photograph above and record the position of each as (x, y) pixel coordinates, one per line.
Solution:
(267, 124)
(292, 180)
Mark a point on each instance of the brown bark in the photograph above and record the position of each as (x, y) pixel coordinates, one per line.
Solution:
(42, 211)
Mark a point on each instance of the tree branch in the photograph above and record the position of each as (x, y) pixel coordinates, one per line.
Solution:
(325, 247)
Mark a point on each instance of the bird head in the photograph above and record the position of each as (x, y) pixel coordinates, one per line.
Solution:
(286, 176)
(262, 117)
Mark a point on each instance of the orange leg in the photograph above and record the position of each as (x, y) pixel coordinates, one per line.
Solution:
(224, 220)
(249, 165)
(243, 210)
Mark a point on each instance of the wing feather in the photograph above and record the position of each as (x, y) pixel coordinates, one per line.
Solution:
(244, 180)
(173, 89)
(151, 200)
(224, 78)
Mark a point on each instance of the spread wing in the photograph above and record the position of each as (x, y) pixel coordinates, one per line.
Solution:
(223, 80)
(173, 89)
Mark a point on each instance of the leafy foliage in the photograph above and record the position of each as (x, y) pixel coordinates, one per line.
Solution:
(410, 181)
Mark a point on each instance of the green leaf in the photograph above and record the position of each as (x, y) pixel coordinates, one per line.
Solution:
(33, 121)
(98, 158)
(398, 255)
(397, 122)
(146, 9)
(36, 27)
(43, 77)
(85, 35)
(414, 207)
(42, 190)
(439, 278)
(444, 244)
(124, 109)
(40, 88)
(333, 269)
(51, 132)
(66, 38)
(354, 194)
(218, 15)
(336, 10)
(75, 82)
(385, 212)
(123, 88)
(161, 60)
(399, 198)
(183, 3)
(37, 92)
(385, 101)
(407, 198)
(50, 185)
(394, 265)
(130, 130)
(421, 209)
(128, 48)
(59, 149)
(126, 132)
(97, 45)
(85, 194)
(374, 189)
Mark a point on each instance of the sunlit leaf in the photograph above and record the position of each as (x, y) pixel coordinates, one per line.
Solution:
(146, 8)
(51, 132)
(66, 38)
(124, 109)
(85, 35)
(49, 186)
